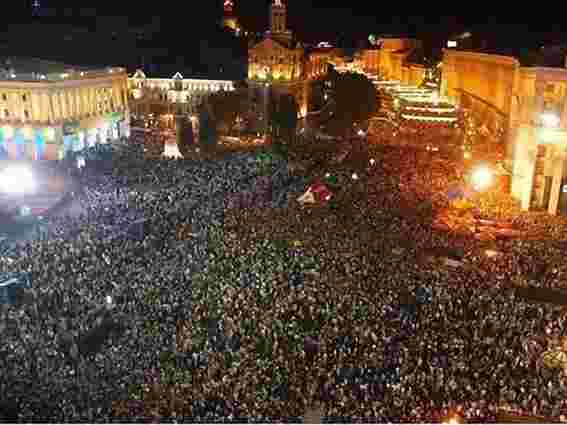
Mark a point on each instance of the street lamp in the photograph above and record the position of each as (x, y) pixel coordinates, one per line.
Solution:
(550, 120)
(482, 178)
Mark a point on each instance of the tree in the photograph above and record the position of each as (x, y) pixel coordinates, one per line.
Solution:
(288, 117)
(207, 126)
(316, 95)
(355, 99)
(185, 136)
(227, 106)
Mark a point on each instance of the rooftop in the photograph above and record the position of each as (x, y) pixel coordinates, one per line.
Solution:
(33, 69)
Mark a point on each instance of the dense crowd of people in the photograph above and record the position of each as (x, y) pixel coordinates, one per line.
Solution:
(260, 308)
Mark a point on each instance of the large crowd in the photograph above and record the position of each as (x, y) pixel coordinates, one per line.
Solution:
(234, 302)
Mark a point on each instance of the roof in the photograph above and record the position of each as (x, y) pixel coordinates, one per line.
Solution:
(23, 65)
(527, 57)
(290, 46)
(402, 51)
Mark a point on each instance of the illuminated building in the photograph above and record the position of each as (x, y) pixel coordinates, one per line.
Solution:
(229, 18)
(174, 95)
(371, 60)
(523, 109)
(48, 108)
(320, 58)
(279, 62)
(393, 53)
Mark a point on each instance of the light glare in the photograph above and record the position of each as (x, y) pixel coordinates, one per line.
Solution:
(482, 178)
(16, 180)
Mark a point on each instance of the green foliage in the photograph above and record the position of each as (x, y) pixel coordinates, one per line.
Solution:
(355, 98)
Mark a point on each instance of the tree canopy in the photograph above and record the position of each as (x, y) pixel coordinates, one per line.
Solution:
(355, 98)
(226, 107)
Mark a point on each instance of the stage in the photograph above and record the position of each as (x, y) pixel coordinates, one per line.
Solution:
(51, 186)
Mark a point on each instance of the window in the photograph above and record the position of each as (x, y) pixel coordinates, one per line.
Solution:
(24, 98)
(6, 113)
(26, 115)
(4, 97)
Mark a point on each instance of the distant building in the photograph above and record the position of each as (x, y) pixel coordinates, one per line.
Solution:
(276, 65)
(520, 103)
(229, 18)
(173, 95)
(47, 108)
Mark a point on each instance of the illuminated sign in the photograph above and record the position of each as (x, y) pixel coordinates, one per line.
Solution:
(451, 43)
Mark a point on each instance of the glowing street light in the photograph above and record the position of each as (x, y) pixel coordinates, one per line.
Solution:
(372, 161)
(549, 119)
(482, 177)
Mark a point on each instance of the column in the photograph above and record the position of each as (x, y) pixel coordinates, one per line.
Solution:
(35, 108)
(564, 113)
(63, 102)
(524, 165)
(539, 100)
(45, 107)
(556, 183)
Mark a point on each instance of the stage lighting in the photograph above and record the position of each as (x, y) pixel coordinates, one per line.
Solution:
(16, 180)
(482, 178)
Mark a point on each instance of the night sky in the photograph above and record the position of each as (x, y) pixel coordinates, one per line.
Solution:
(185, 33)
(314, 20)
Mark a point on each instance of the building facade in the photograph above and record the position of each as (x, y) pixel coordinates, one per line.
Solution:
(277, 62)
(171, 96)
(47, 108)
(229, 17)
(525, 110)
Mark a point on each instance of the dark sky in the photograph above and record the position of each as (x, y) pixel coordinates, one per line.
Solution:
(312, 20)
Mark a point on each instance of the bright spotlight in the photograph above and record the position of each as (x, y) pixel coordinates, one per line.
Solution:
(372, 161)
(108, 299)
(549, 119)
(16, 180)
(482, 178)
